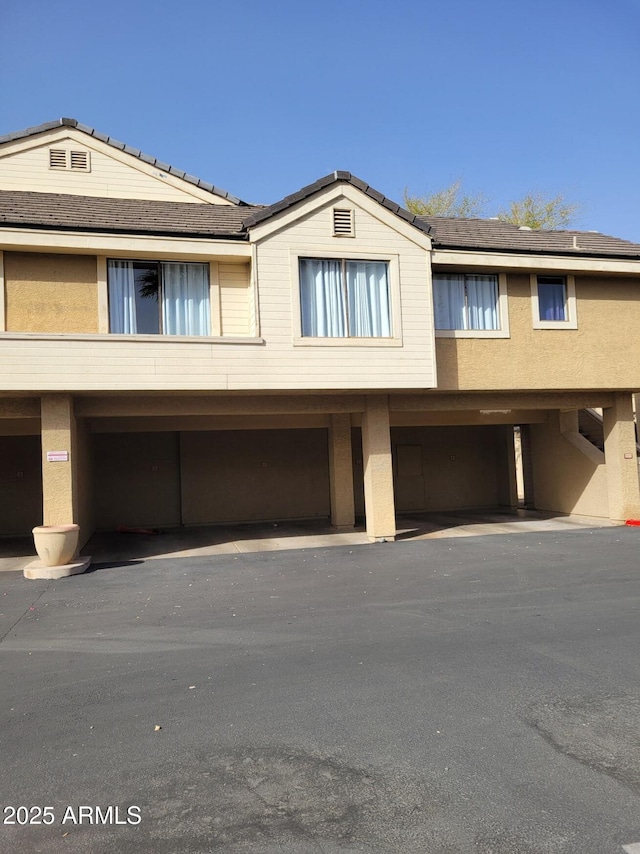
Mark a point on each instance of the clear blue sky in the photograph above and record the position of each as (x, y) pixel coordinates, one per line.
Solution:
(261, 97)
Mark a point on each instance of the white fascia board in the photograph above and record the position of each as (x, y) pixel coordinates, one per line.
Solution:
(58, 135)
(330, 195)
(507, 261)
(153, 246)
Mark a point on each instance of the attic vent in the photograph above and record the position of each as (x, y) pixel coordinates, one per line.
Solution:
(343, 223)
(57, 158)
(60, 158)
(80, 160)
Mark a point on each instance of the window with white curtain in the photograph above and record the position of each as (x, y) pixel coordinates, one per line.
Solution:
(158, 298)
(341, 298)
(466, 302)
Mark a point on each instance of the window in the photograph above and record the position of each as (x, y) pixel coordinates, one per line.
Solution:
(151, 298)
(470, 305)
(342, 298)
(553, 302)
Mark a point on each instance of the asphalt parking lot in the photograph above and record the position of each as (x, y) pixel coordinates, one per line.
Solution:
(477, 694)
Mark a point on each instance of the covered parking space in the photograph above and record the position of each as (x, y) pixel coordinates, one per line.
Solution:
(20, 466)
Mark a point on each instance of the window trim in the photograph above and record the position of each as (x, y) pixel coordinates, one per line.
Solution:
(503, 308)
(571, 321)
(395, 340)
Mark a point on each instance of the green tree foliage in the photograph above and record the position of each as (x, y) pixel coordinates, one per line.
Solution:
(534, 210)
(537, 211)
(450, 201)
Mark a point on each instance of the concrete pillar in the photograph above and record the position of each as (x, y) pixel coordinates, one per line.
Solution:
(378, 471)
(621, 459)
(341, 471)
(59, 475)
(506, 468)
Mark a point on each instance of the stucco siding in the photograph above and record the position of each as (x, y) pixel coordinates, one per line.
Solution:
(239, 475)
(50, 293)
(136, 479)
(564, 479)
(603, 352)
(20, 484)
(448, 467)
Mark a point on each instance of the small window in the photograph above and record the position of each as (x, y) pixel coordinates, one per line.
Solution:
(151, 298)
(342, 298)
(343, 223)
(553, 302)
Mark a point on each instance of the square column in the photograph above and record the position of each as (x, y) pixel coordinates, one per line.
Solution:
(341, 472)
(59, 476)
(621, 459)
(378, 470)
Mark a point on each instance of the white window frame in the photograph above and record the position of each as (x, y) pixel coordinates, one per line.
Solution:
(571, 312)
(104, 300)
(393, 262)
(503, 309)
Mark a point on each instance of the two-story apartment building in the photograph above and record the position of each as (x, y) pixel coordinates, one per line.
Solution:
(170, 355)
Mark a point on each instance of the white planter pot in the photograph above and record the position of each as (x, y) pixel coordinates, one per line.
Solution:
(56, 544)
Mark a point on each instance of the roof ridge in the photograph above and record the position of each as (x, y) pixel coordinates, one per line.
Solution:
(121, 146)
(336, 177)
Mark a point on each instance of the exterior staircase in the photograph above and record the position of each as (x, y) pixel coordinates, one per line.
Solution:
(591, 427)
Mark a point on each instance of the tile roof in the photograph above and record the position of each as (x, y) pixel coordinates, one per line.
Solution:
(495, 236)
(481, 234)
(337, 177)
(20, 209)
(121, 146)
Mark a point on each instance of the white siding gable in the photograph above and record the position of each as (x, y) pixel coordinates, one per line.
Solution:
(25, 165)
(405, 361)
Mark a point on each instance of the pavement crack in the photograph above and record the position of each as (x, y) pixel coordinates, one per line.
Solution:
(23, 615)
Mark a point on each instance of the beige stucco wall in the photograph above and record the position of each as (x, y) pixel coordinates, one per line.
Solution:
(471, 479)
(84, 482)
(205, 477)
(136, 479)
(20, 484)
(603, 352)
(477, 477)
(240, 475)
(50, 293)
(564, 479)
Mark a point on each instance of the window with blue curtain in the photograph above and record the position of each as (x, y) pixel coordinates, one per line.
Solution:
(149, 297)
(466, 302)
(552, 298)
(340, 298)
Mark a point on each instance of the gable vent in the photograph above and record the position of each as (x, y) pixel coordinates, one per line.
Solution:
(57, 158)
(343, 223)
(80, 160)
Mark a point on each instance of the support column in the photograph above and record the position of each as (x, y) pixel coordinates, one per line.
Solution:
(59, 477)
(341, 472)
(621, 459)
(378, 471)
(507, 483)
